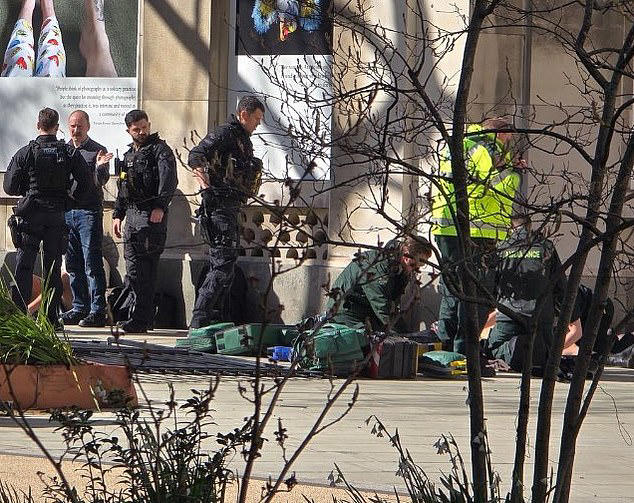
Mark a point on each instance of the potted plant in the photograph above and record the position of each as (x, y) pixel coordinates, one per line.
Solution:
(39, 371)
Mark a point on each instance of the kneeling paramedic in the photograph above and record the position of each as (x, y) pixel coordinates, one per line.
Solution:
(368, 291)
(529, 283)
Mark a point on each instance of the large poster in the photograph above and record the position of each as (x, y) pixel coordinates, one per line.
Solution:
(283, 53)
(67, 56)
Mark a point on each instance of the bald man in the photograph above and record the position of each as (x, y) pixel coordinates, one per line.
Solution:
(85, 226)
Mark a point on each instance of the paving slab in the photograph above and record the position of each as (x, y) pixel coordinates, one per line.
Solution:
(421, 410)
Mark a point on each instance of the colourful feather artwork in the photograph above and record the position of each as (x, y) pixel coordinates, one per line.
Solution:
(288, 14)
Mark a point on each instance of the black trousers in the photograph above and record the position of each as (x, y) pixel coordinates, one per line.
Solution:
(220, 230)
(142, 247)
(49, 230)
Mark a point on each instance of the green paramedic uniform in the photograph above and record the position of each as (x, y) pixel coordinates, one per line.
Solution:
(528, 265)
(370, 288)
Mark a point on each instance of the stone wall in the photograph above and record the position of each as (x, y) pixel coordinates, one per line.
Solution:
(183, 86)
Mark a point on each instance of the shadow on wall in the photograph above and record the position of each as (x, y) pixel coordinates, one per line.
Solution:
(318, 281)
(258, 304)
(110, 252)
(172, 305)
(183, 32)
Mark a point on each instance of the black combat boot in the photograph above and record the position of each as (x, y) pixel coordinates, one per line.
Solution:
(94, 320)
(133, 327)
(73, 317)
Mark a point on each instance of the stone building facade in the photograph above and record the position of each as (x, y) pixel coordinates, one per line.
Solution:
(186, 91)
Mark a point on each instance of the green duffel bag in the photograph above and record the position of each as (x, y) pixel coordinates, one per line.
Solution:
(335, 349)
(208, 331)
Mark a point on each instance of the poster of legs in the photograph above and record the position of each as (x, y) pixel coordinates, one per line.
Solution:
(283, 53)
(67, 55)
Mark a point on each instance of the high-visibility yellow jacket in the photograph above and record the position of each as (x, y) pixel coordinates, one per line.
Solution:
(490, 189)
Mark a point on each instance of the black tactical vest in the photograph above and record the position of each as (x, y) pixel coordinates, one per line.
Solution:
(49, 171)
(140, 182)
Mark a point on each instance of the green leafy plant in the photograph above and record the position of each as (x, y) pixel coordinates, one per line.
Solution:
(454, 486)
(27, 340)
(8, 494)
(159, 458)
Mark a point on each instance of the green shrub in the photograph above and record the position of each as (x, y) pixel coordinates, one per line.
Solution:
(26, 340)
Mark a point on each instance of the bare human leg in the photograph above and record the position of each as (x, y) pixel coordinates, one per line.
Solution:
(51, 57)
(19, 57)
(48, 9)
(26, 12)
(94, 44)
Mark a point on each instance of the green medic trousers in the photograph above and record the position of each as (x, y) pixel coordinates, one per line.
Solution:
(508, 342)
(452, 314)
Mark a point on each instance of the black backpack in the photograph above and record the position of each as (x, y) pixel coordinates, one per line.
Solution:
(121, 300)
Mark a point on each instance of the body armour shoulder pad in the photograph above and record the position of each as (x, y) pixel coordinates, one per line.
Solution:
(159, 147)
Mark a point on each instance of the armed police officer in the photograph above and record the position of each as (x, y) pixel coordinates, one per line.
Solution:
(147, 181)
(41, 173)
(228, 173)
(492, 184)
(530, 283)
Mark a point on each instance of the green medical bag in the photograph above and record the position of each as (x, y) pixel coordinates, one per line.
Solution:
(247, 340)
(202, 339)
(334, 349)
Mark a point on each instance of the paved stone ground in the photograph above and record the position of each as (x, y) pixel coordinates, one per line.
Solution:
(422, 410)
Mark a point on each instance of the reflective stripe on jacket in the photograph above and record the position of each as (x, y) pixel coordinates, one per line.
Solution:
(490, 189)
